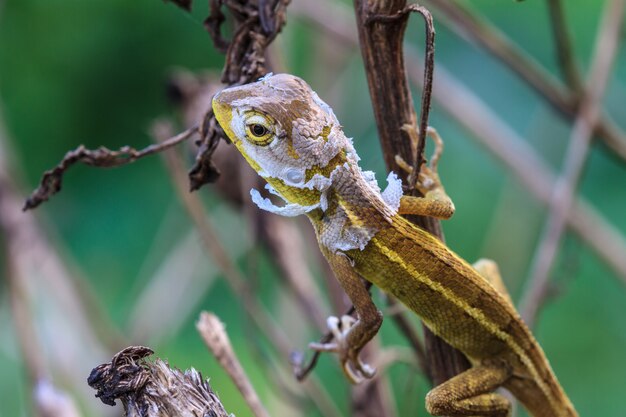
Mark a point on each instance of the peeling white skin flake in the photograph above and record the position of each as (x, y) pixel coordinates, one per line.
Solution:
(318, 182)
(370, 177)
(289, 210)
(393, 192)
(341, 236)
(272, 191)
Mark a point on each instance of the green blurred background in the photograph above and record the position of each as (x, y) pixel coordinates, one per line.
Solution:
(94, 72)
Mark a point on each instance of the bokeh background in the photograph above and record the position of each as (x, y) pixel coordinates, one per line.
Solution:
(95, 73)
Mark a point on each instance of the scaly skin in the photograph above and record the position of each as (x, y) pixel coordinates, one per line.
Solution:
(293, 140)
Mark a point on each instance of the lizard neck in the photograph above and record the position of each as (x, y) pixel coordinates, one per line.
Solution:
(355, 209)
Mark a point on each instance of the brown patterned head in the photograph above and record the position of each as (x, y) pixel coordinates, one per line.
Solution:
(281, 127)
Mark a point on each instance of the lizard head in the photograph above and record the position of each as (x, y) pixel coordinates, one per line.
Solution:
(285, 132)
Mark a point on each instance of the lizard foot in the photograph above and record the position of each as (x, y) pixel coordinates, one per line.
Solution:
(428, 182)
(428, 179)
(355, 369)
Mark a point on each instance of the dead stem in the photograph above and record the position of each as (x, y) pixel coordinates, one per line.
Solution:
(381, 45)
(215, 338)
(429, 68)
(564, 48)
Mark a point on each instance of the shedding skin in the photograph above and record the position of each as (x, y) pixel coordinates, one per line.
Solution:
(295, 142)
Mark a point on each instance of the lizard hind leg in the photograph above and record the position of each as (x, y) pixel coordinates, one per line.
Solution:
(471, 394)
(489, 270)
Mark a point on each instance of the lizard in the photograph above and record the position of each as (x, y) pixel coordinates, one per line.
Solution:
(293, 140)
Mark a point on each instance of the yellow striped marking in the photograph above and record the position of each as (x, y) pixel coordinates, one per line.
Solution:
(474, 312)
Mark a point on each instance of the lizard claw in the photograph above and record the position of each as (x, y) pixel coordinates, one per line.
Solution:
(428, 182)
(428, 179)
(355, 369)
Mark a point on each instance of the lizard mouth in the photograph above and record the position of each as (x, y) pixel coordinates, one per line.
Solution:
(224, 114)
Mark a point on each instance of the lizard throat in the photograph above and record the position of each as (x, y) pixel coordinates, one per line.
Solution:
(316, 180)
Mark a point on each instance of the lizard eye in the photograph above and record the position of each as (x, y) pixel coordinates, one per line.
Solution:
(258, 131)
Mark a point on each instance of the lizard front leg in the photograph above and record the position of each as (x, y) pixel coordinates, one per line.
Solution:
(351, 335)
(471, 393)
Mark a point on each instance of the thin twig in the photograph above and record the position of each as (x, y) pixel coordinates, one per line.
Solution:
(215, 338)
(408, 329)
(564, 48)
(565, 188)
(429, 67)
(51, 180)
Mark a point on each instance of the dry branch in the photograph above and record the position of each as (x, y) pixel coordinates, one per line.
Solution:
(256, 25)
(102, 157)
